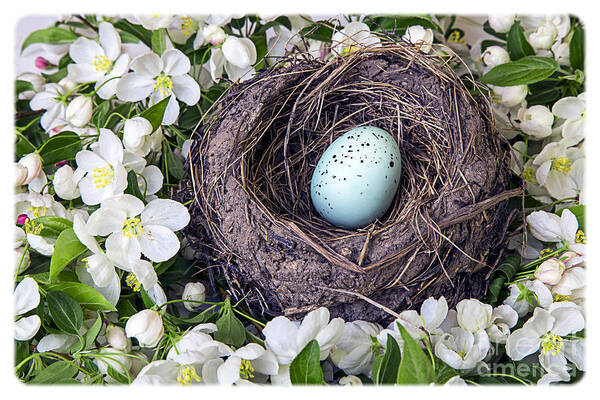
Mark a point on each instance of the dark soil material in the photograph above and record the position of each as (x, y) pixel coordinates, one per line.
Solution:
(251, 164)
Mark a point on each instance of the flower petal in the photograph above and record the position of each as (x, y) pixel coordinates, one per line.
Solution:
(158, 243)
(186, 89)
(568, 107)
(134, 87)
(84, 50)
(82, 73)
(229, 372)
(147, 65)
(26, 328)
(110, 147)
(175, 63)
(165, 212)
(109, 40)
(105, 221)
(27, 296)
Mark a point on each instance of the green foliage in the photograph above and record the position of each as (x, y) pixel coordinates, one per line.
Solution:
(54, 373)
(305, 369)
(579, 212)
(415, 367)
(65, 312)
(517, 44)
(133, 187)
(502, 274)
(51, 35)
(385, 367)
(230, 329)
(159, 41)
(525, 71)
(155, 114)
(137, 31)
(66, 249)
(52, 225)
(85, 295)
(577, 49)
(61, 147)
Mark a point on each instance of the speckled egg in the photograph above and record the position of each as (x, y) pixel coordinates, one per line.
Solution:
(357, 177)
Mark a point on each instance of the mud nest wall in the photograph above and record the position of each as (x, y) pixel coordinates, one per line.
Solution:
(252, 159)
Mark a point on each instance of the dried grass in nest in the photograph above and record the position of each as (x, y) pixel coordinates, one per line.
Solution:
(252, 159)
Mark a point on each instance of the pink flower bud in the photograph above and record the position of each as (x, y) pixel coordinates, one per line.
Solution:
(33, 163)
(550, 271)
(42, 63)
(61, 163)
(22, 218)
(20, 174)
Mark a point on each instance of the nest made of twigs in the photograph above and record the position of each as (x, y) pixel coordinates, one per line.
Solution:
(252, 159)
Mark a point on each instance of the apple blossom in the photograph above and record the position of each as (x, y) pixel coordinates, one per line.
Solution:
(51, 100)
(151, 21)
(495, 55)
(158, 78)
(572, 110)
(353, 36)
(116, 338)
(27, 297)
(419, 36)
(561, 53)
(214, 34)
(571, 280)
(518, 301)
(286, 339)
(146, 326)
(57, 342)
(536, 121)
(549, 227)
(244, 363)
(473, 315)
(193, 291)
(33, 163)
(353, 353)
(105, 175)
(544, 36)
(461, 349)
(79, 111)
(509, 96)
(501, 23)
(556, 169)
(503, 318)
(182, 27)
(66, 182)
(236, 56)
(550, 271)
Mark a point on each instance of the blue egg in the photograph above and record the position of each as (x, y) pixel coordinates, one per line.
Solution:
(356, 178)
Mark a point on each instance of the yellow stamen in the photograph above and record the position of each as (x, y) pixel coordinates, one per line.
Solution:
(580, 237)
(187, 25)
(529, 175)
(545, 252)
(349, 50)
(562, 164)
(101, 63)
(102, 176)
(33, 227)
(552, 342)
(455, 37)
(38, 211)
(132, 227)
(187, 373)
(132, 282)
(246, 369)
(561, 297)
(163, 84)
(85, 262)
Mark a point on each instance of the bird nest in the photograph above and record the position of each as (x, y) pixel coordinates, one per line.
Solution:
(253, 155)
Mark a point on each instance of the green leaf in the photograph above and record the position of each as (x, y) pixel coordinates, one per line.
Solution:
(488, 29)
(22, 86)
(127, 37)
(305, 369)
(136, 30)
(525, 71)
(53, 226)
(100, 114)
(579, 212)
(65, 312)
(51, 35)
(155, 114)
(544, 93)
(517, 44)
(321, 31)
(92, 333)
(577, 49)
(159, 42)
(387, 368)
(55, 372)
(61, 147)
(86, 295)
(66, 249)
(116, 375)
(174, 164)
(415, 367)
(488, 43)
(230, 331)
(443, 372)
(133, 187)
(502, 274)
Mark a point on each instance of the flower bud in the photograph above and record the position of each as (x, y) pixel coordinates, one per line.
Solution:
(501, 23)
(22, 218)
(65, 185)
(20, 174)
(536, 121)
(67, 84)
(193, 291)
(571, 259)
(418, 35)
(510, 96)
(350, 380)
(146, 326)
(473, 315)
(115, 336)
(41, 63)
(33, 163)
(214, 34)
(544, 36)
(134, 132)
(495, 55)
(561, 53)
(22, 260)
(79, 111)
(550, 271)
